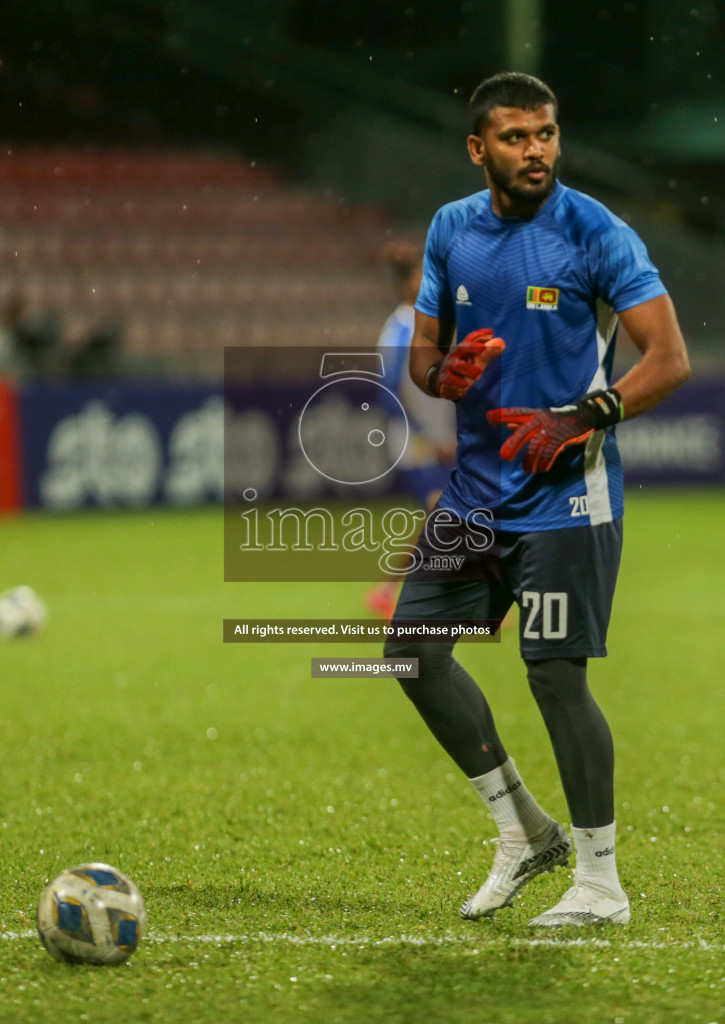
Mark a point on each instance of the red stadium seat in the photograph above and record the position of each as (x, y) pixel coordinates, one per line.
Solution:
(192, 251)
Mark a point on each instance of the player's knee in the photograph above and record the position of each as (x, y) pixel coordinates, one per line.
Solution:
(433, 665)
(557, 681)
(400, 649)
(430, 656)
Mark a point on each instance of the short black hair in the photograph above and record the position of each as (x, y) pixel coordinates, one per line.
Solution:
(509, 89)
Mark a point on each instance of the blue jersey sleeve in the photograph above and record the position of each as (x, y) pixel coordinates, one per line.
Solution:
(621, 267)
(394, 344)
(434, 297)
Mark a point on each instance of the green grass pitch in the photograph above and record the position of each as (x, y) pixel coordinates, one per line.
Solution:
(303, 845)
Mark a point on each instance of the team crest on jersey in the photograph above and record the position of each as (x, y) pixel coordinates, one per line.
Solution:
(462, 297)
(542, 298)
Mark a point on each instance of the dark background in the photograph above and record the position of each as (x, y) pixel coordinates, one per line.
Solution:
(366, 101)
(642, 79)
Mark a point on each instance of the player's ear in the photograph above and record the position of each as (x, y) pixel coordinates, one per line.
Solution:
(476, 150)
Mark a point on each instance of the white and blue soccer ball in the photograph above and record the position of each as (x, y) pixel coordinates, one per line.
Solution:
(91, 914)
(22, 612)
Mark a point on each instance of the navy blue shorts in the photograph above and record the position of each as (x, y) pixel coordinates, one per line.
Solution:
(562, 580)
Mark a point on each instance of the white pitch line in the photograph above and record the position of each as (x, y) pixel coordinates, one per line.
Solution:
(366, 942)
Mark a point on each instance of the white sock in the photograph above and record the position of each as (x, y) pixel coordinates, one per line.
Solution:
(509, 802)
(596, 858)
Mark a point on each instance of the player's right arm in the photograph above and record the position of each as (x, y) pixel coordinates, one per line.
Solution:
(446, 372)
(436, 367)
(431, 341)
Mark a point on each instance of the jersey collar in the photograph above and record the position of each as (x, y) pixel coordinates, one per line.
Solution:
(502, 223)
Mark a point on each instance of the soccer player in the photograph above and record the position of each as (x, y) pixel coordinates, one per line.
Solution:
(532, 277)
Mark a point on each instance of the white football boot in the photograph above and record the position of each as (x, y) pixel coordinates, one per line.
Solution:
(584, 904)
(516, 863)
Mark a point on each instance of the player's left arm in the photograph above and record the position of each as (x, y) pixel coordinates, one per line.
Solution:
(543, 434)
(663, 366)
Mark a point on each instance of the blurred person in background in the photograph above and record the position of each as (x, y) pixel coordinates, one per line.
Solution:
(99, 355)
(430, 452)
(29, 343)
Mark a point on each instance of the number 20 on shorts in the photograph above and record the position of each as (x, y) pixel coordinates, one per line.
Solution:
(547, 614)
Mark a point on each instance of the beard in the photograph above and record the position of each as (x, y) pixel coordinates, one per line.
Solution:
(515, 186)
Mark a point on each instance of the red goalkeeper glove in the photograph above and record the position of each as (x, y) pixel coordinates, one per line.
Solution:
(545, 433)
(453, 376)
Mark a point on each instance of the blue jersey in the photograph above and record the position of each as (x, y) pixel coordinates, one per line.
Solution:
(551, 286)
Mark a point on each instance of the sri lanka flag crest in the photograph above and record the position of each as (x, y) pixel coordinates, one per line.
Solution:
(542, 298)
